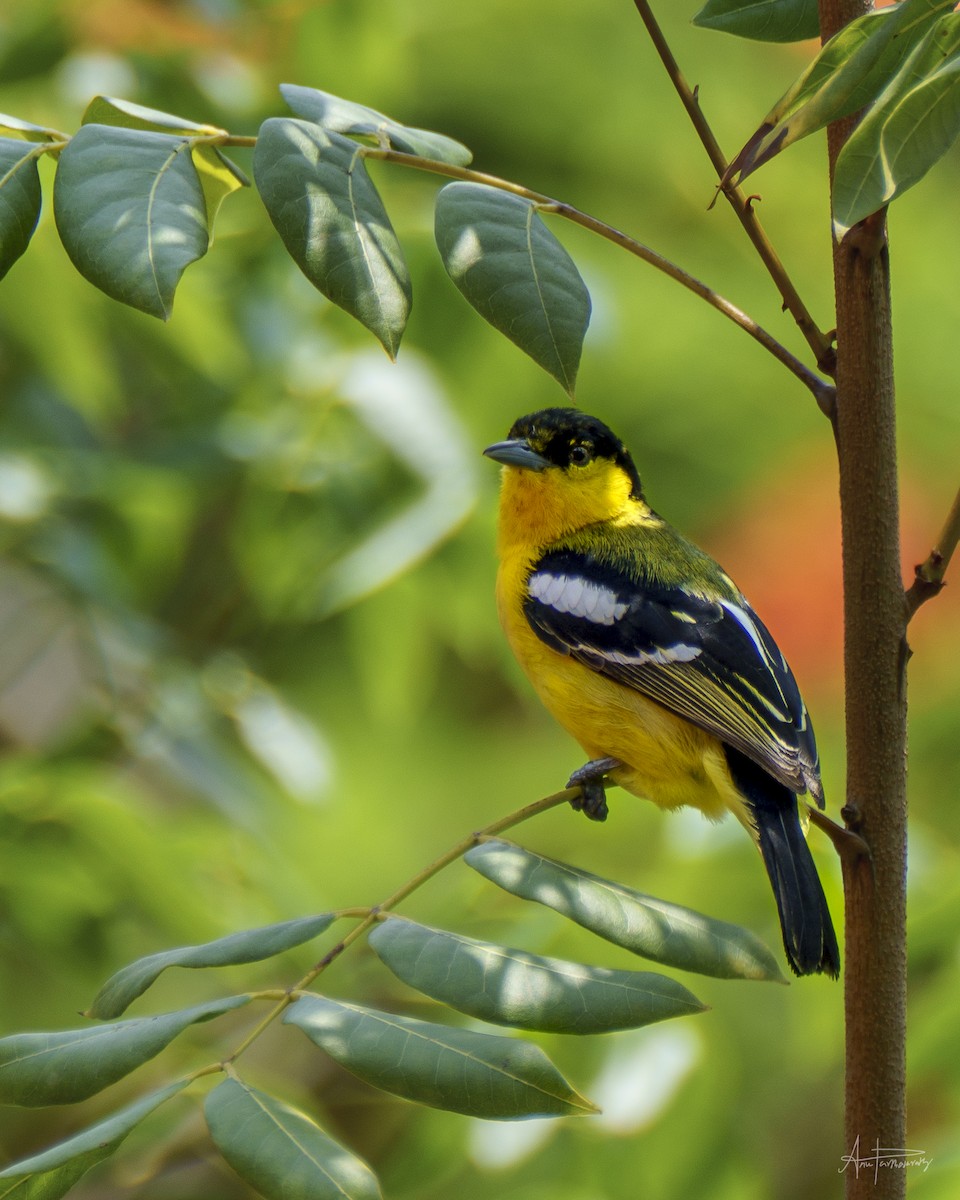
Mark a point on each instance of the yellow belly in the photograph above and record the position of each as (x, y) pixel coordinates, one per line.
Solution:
(666, 759)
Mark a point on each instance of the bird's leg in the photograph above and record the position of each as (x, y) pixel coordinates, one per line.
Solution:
(589, 778)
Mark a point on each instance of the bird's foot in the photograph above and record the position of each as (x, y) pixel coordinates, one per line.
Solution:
(591, 780)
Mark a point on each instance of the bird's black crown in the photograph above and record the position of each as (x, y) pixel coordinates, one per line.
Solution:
(568, 437)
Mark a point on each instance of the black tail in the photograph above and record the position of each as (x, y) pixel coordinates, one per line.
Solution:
(808, 935)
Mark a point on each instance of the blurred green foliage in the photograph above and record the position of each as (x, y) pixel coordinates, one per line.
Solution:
(250, 664)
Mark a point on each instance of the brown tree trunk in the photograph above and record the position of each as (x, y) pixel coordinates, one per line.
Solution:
(874, 658)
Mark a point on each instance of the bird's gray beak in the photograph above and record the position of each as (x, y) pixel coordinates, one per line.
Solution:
(517, 452)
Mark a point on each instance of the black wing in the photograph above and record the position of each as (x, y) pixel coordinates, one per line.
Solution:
(710, 661)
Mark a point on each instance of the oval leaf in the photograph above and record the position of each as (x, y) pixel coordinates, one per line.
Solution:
(665, 933)
(23, 129)
(61, 1068)
(19, 199)
(250, 945)
(131, 213)
(218, 175)
(478, 1074)
(762, 20)
(912, 124)
(107, 110)
(333, 223)
(281, 1152)
(344, 116)
(846, 75)
(51, 1173)
(515, 273)
(511, 987)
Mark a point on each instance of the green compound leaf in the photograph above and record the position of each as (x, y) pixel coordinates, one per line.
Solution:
(333, 223)
(218, 178)
(52, 1173)
(250, 945)
(52, 1184)
(107, 110)
(131, 212)
(844, 77)
(281, 1152)
(478, 1074)
(19, 199)
(64, 1067)
(665, 933)
(344, 116)
(511, 987)
(218, 175)
(912, 124)
(23, 130)
(515, 273)
(762, 20)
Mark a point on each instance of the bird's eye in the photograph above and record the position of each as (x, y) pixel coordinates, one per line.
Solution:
(579, 455)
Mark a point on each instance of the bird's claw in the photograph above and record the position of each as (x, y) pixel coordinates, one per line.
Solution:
(590, 779)
(592, 801)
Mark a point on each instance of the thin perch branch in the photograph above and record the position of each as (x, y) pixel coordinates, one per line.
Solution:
(370, 916)
(822, 391)
(818, 341)
(928, 576)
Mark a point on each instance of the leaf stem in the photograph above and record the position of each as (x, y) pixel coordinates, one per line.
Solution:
(209, 1069)
(819, 342)
(822, 391)
(370, 916)
(928, 576)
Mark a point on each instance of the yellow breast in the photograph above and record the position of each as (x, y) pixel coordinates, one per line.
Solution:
(667, 760)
